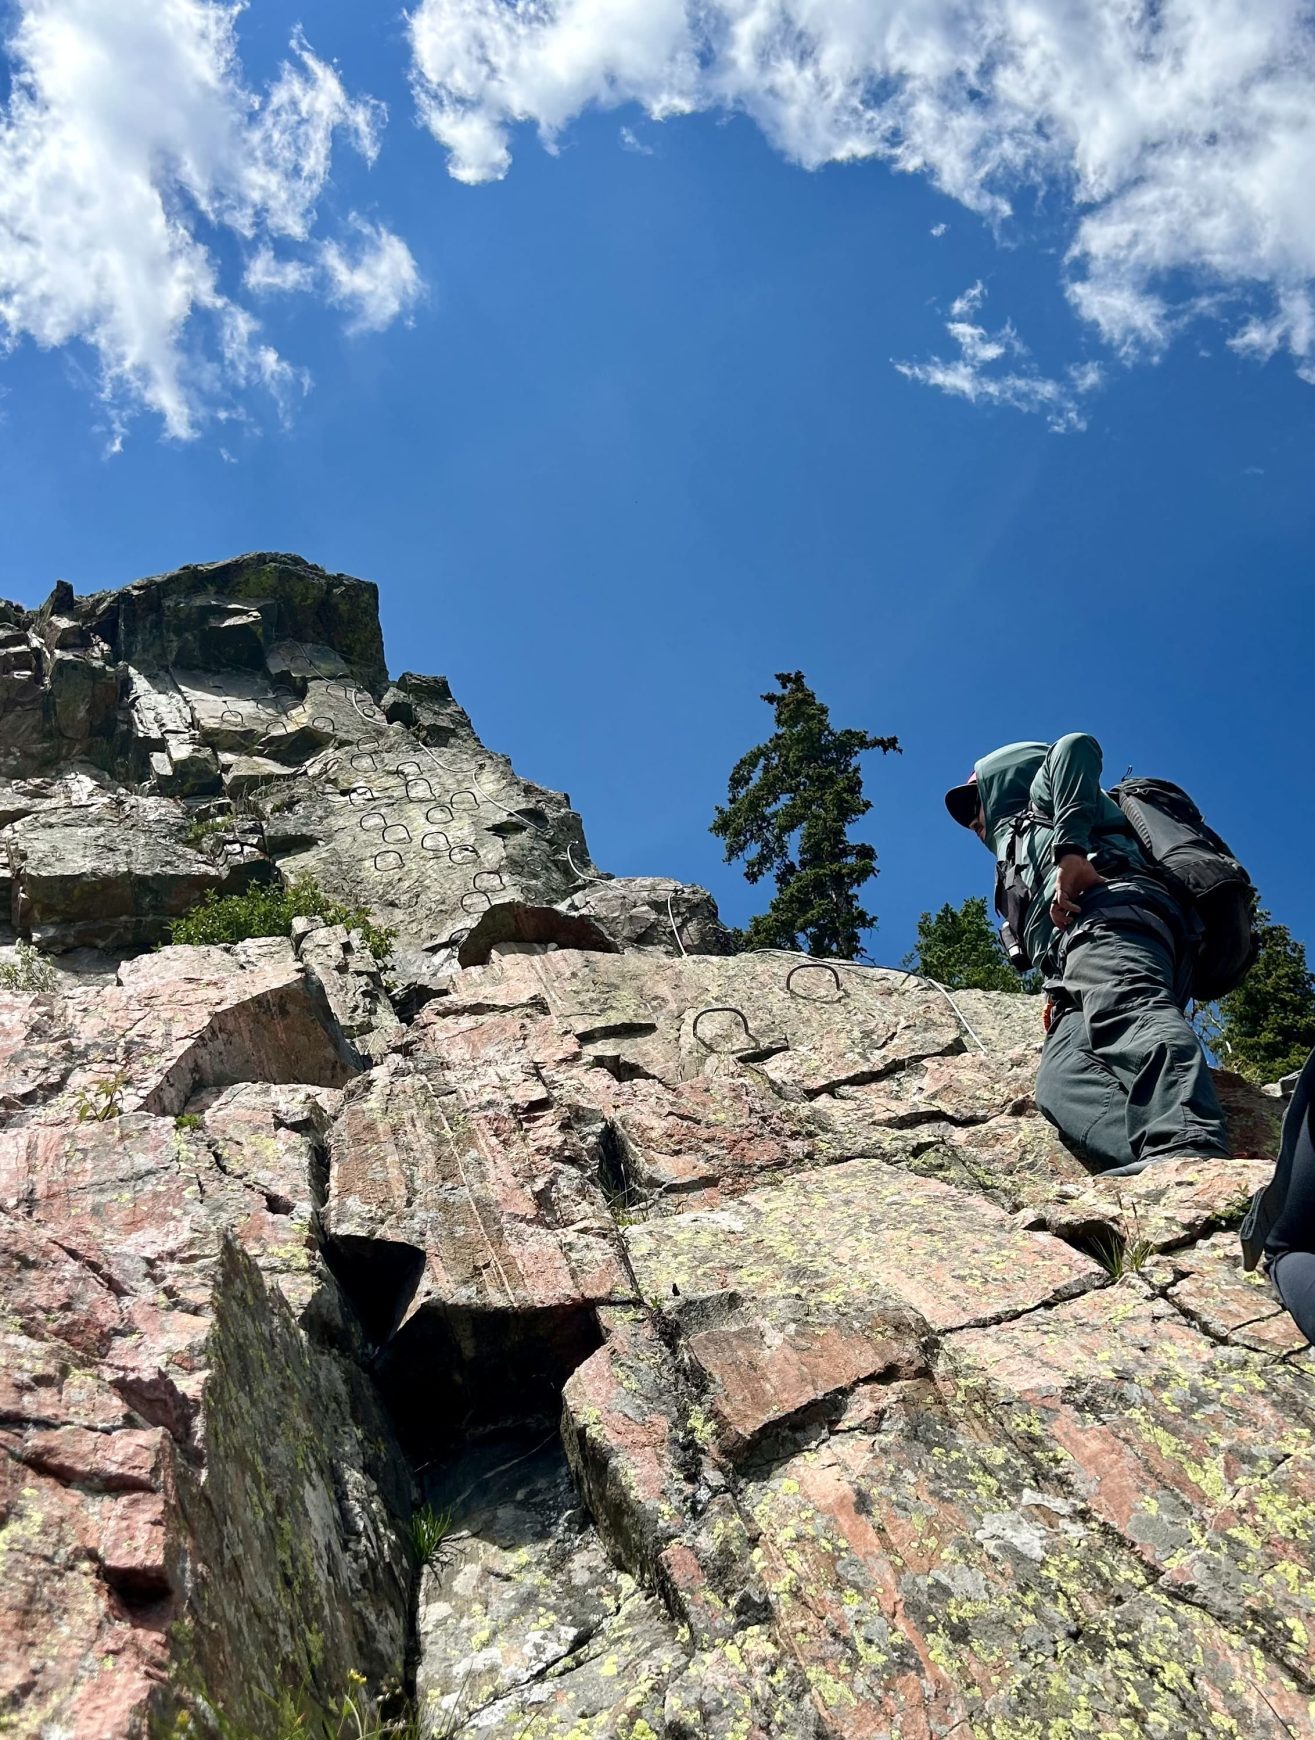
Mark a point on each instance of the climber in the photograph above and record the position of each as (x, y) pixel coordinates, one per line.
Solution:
(1280, 1226)
(1123, 1077)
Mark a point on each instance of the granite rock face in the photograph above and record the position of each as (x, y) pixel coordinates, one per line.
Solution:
(574, 1331)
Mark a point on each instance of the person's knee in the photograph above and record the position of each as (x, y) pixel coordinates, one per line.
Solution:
(1294, 1276)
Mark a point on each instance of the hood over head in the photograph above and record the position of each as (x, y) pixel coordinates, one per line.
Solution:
(1004, 778)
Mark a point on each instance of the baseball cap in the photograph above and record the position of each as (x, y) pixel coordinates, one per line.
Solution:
(962, 801)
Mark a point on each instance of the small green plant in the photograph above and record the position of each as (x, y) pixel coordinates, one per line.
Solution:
(268, 909)
(27, 971)
(197, 832)
(189, 1121)
(297, 1717)
(427, 1531)
(1120, 1256)
(102, 1100)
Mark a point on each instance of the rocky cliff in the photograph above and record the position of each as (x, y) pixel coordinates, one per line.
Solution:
(573, 1330)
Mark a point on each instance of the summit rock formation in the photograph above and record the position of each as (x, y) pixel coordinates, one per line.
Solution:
(569, 1329)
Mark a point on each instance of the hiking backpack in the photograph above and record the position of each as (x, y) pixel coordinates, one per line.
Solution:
(1184, 853)
(1198, 867)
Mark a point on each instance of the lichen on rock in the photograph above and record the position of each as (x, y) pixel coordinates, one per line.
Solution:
(763, 1365)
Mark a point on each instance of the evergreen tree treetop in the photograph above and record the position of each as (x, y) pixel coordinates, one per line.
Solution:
(790, 804)
(959, 948)
(1265, 1029)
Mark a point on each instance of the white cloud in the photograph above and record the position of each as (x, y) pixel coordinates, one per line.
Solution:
(1019, 384)
(939, 229)
(377, 286)
(630, 141)
(1177, 135)
(268, 274)
(129, 133)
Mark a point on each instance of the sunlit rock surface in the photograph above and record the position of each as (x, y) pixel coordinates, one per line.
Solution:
(727, 1334)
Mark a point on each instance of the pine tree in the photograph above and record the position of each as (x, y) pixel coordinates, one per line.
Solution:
(960, 949)
(1266, 1028)
(790, 804)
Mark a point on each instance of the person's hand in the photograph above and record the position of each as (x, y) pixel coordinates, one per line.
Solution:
(1076, 875)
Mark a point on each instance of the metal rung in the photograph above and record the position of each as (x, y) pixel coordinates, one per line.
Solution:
(723, 1009)
(814, 967)
(388, 860)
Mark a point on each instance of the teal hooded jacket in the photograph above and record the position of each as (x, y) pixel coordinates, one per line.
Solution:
(1061, 783)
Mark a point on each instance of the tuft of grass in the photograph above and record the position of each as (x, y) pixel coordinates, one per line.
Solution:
(102, 1100)
(1119, 1256)
(28, 971)
(297, 1717)
(268, 909)
(189, 1121)
(197, 832)
(427, 1531)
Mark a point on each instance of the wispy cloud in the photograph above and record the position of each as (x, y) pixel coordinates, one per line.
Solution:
(377, 283)
(1016, 383)
(129, 134)
(1177, 135)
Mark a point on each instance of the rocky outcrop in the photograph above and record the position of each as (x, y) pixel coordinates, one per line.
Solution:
(574, 1329)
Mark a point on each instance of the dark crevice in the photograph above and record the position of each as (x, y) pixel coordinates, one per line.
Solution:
(1099, 1240)
(616, 1030)
(867, 1077)
(452, 1370)
(762, 1053)
(615, 1177)
(107, 1279)
(623, 1069)
(137, 1586)
(379, 1277)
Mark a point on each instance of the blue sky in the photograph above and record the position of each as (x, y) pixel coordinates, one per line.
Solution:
(619, 429)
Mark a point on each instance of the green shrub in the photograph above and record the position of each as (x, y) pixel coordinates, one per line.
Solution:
(102, 1100)
(269, 909)
(429, 1529)
(189, 1121)
(27, 971)
(198, 831)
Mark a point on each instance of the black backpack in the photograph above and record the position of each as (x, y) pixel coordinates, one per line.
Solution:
(1198, 867)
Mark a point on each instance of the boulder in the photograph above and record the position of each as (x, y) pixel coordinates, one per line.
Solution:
(650, 912)
(110, 874)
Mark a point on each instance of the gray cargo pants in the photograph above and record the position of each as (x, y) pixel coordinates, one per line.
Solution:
(1123, 1077)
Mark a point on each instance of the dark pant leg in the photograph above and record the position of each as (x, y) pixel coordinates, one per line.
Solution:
(1290, 1246)
(1080, 1097)
(1126, 984)
(1294, 1276)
